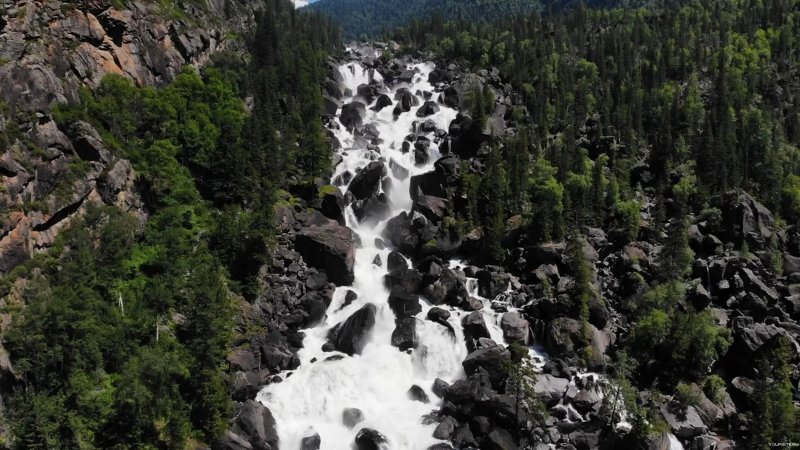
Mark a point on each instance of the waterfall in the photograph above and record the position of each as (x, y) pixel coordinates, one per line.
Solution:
(312, 398)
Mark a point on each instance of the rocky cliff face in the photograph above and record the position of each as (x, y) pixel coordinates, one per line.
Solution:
(49, 50)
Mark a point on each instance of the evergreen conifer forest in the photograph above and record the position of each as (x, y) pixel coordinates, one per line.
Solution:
(478, 224)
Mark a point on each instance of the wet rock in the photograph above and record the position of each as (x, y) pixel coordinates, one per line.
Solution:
(490, 359)
(403, 280)
(367, 180)
(316, 309)
(372, 209)
(452, 97)
(332, 204)
(550, 388)
(312, 442)
(471, 304)
(275, 356)
(434, 208)
(395, 261)
(515, 328)
(353, 114)
(404, 304)
(463, 437)
(445, 428)
(350, 336)
(417, 394)
(352, 417)
(428, 108)
(449, 288)
(404, 335)
(369, 439)
(440, 446)
(474, 328)
(476, 388)
(405, 100)
(437, 314)
(330, 248)
(256, 424)
(439, 387)
(382, 102)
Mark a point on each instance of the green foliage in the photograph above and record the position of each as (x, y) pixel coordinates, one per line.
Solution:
(521, 379)
(688, 84)
(628, 215)
(685, 344)
(714, 387)
(775, 416)
(687, 395)
(675, 259)
(582, 292)
(96, 374)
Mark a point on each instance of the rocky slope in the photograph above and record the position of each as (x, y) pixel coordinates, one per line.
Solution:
(49, 51)
(314, 255)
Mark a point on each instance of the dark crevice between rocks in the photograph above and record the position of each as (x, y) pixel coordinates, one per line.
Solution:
(114, 29)
(60, 215)
(6, 172)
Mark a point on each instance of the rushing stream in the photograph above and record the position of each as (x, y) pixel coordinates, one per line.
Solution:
(313, 398)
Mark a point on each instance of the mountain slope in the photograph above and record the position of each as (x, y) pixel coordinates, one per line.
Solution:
(359, 18)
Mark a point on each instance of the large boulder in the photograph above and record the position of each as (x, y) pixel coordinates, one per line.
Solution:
(330, 248)
(404, 335)
(403, 280)
(474, 329)
(352, 417)
(449, 288)
(369, 439)
(278, 357)
(353, 114)
(452, 96)
(382, 102)
(396, 261)
(404, 304)
(550, 388)
(492, 360)
(564, 337)
(312, 442)
(367, 180)
(405, 100)
(350, 336)
(747, 219)
(515, 328)
(500, 439)
(256, 424)
(685, 424)
(429, 108)
(434, 208)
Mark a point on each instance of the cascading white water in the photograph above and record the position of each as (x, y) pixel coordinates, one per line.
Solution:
(312, 398)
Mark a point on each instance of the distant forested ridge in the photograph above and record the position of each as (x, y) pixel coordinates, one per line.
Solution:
(360, 18)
